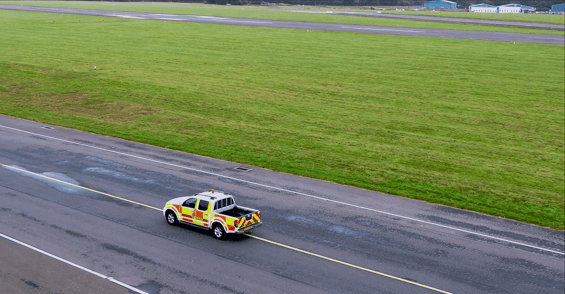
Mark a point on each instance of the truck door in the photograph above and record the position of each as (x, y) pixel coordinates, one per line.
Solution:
(202, 214)
(188, 209)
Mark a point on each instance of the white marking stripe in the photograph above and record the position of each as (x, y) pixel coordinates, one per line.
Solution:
(247, 21)
(550, 38)
(293, 192)
(171, 19)
(375, 29)
(75, 265)
(126, 16)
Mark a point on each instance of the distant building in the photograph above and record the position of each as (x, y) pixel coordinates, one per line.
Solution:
(508, 8)
(557, 9)
(441, 4)
(484, 8)
(515, 8)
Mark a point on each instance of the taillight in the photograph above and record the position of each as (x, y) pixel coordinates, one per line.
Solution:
(236, 222)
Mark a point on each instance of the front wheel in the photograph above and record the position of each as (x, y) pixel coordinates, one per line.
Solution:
(171, 218)
(218, 231)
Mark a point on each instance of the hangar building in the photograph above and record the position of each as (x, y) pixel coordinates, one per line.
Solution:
(515, 8)
(444, 4)
(557, 8)
(484, 8)
(508, 8)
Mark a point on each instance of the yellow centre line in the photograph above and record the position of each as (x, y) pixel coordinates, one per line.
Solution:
(252, 236)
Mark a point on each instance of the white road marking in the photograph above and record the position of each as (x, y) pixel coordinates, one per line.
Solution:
(550, 38)
(75, 265)
(171, 19)
(186, 15)
(375, 29)
(246, 21)
(125, 16)
(290, 191)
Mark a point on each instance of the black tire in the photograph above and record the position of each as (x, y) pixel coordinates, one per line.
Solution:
(218, 231)
(171, 218)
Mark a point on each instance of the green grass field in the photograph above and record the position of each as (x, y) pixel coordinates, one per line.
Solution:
(253, 12)
(470, 124)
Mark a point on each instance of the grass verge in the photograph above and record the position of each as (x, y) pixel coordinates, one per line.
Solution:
(470, 124)
(246, 12)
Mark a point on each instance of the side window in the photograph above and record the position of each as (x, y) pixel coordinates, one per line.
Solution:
(190, 203)
(230, 201)
(216, 205)
(203, 205)
(224, 202)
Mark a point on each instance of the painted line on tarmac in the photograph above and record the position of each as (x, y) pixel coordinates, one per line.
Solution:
(348, 264)
(8, 167)
(75, 265)
(246, 21)
(547, 38)
(293, 192)
(374, 29)
(126, 16)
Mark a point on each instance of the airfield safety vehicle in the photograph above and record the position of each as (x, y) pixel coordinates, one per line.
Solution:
(212, 210)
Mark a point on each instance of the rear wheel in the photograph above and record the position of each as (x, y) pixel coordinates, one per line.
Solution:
(171, 218)
(218, 231)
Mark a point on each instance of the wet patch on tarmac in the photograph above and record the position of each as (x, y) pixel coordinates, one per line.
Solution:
(27, 217)
(133, 145)
(75, 234)
(119, 175)
(125, 251)
(38, 138)
(30, 283)
(456, 211)
(325, 229)
(408, 234)
(69, 232)
(512, 245)
(519, 262)
(106, 162)
(530, 279)
(151, 287)
(48, 179)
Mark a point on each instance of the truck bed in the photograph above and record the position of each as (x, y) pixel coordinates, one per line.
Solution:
(237, 212)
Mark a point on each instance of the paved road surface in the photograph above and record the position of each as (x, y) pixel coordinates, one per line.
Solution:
(24, 271)
(399, 31)
(414, 242)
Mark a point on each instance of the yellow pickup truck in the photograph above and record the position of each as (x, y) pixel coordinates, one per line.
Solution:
(213, 210)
